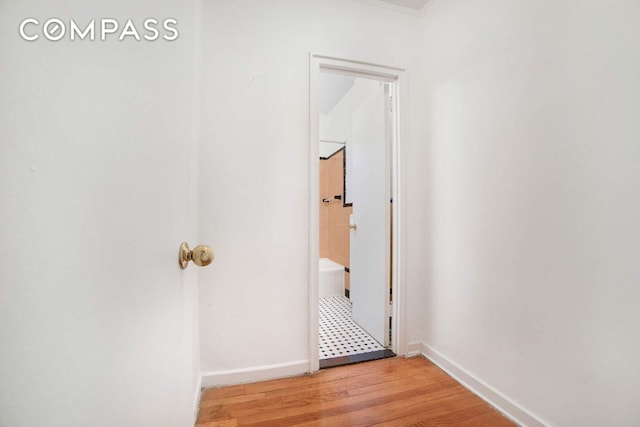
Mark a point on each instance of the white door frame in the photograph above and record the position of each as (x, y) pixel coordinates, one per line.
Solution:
(383, 73)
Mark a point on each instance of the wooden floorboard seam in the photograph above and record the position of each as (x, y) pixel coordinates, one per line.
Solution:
(389, 392)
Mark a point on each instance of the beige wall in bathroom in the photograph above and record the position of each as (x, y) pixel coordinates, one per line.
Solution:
(324, 183)
(334, 217)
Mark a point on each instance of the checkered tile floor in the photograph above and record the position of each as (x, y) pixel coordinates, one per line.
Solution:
(339, 334)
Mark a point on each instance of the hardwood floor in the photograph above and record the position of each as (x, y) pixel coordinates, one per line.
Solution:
(389, 392)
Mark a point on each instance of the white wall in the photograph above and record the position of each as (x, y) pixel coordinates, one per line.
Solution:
(532, 113)
(333, 88)
(254, 166)
(98, 325)
(337, 125)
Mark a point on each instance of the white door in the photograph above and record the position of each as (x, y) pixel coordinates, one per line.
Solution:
(369, 246)
(98, 324)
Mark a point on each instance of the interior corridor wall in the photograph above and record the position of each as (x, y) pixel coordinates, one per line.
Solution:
(532, 122)
(254, 167)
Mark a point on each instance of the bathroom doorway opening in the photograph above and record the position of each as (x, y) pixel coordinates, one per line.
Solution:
(354, 236)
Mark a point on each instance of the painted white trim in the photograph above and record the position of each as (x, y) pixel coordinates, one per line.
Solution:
(255, 373)
(400, 237)
(487, 393)
(329, 62)
(196, 400)
(384, 73)
(414, 348)
(395, 7)
(314, 221)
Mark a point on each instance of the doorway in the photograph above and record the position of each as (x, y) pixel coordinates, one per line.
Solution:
(355, 275)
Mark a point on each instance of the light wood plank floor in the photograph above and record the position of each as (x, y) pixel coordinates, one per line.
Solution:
(389, 392)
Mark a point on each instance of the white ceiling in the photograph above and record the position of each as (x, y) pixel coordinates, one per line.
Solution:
(410, 4)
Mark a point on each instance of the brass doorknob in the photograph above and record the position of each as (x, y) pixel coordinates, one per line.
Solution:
(201, 255)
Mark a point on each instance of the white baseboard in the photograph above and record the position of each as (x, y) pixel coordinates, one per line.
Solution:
(255, 373)
(414, 348)
(487, 393)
